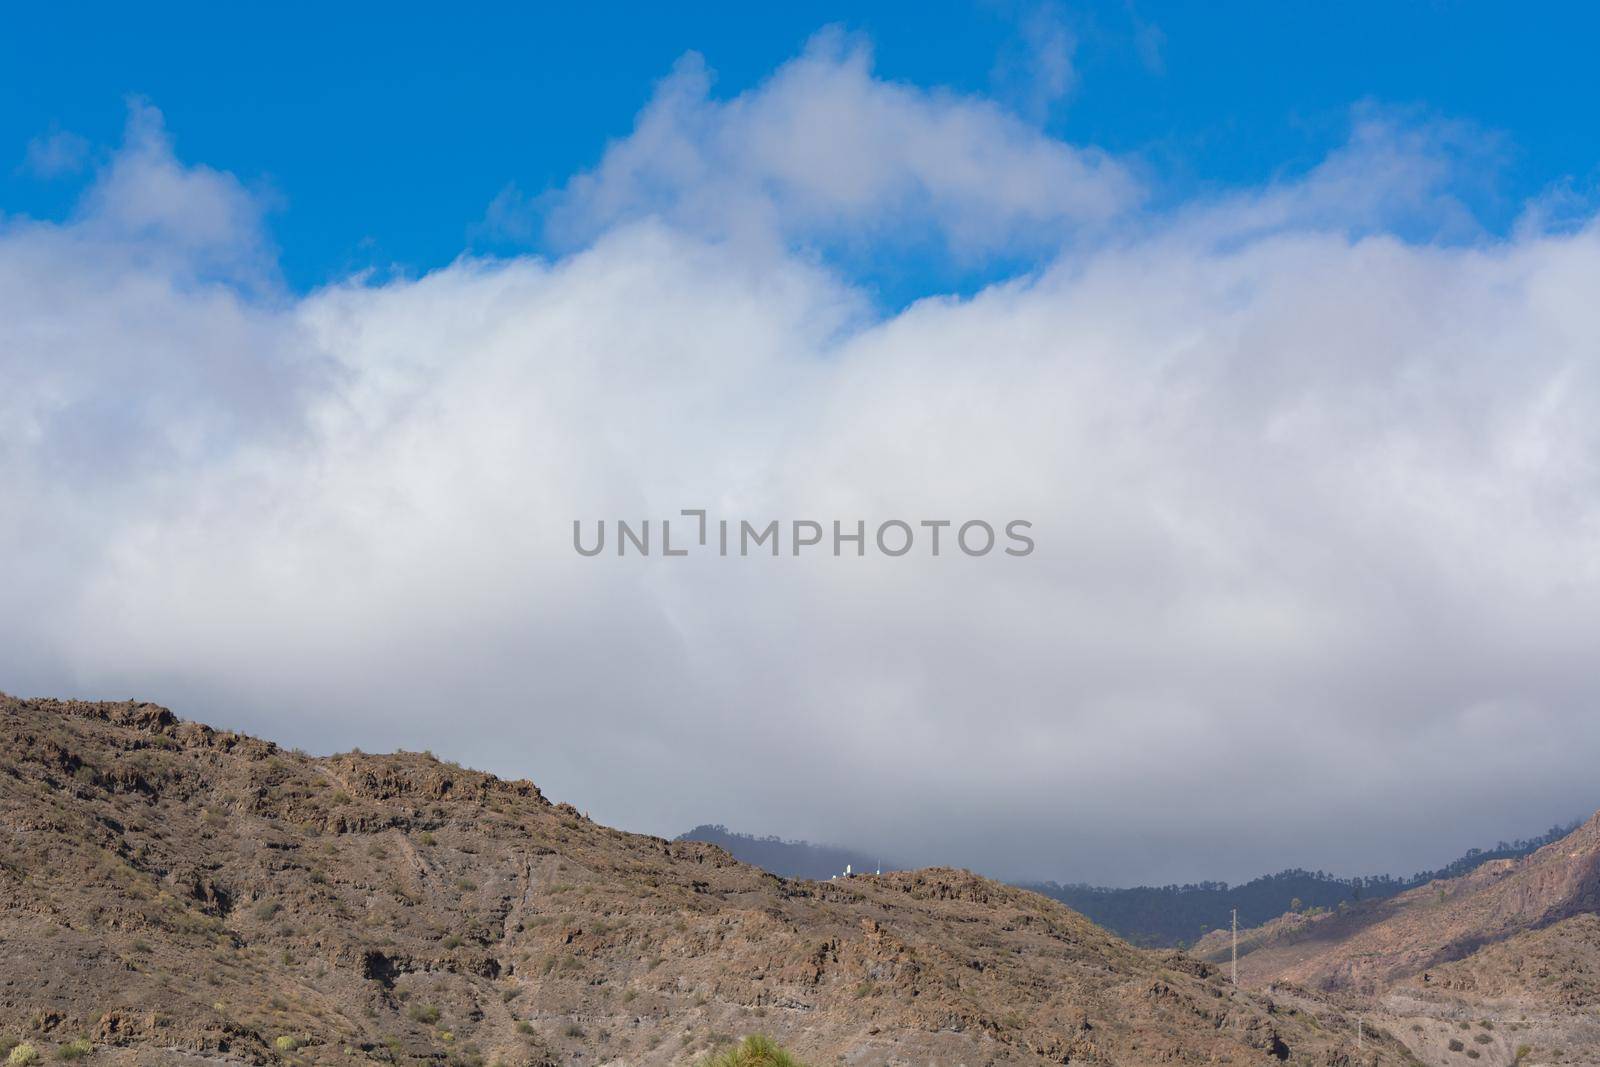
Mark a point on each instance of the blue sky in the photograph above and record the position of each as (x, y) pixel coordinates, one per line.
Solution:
(386, 130)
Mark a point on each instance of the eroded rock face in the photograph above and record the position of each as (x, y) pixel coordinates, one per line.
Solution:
(173, 891)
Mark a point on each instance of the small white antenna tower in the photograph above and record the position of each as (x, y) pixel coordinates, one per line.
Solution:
(1359, 1037)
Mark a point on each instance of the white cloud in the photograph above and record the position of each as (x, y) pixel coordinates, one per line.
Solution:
(825, 150)
(1317, 508)
(511, 216)
(1037, 71)
(1398, 172)
(146, 330)
(198, 220)
(56, 153)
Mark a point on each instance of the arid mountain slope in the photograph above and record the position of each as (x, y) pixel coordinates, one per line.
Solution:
(1499, 966)
(1528, 1000)
(1370, 946)
(182, 896)
(1557, 966)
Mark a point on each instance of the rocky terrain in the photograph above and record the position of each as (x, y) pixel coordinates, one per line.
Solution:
(1500, 965)
(172, 894)
(1557, 966)
(1367, 947)
(1531, 999)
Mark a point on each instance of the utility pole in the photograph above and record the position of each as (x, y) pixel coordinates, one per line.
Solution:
(1359, 1020)
(1235, 946)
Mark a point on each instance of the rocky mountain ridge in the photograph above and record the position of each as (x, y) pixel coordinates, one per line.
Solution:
(175, 894)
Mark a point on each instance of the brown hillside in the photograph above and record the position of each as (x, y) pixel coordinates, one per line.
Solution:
(180, 895)
(1369, 947)
(1527, 1000)
(1556, 966)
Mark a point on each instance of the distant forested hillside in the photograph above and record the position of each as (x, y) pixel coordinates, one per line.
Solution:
(791, 859)
(1181, 914)
(1145, 915)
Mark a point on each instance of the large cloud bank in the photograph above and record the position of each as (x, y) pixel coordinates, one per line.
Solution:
(1317, 507)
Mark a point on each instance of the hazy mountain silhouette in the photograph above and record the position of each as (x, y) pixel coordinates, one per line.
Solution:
(1146, 915)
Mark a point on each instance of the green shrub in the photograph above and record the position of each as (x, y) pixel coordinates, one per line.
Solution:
(75, 1050)
(753, 1051)
(424, 1013)
(286, 1043)
(24, 1055)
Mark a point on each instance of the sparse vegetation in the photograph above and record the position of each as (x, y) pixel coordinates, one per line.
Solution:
(75, 1049)
(23, 1055)
(426, 1014)
(753, 1051)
